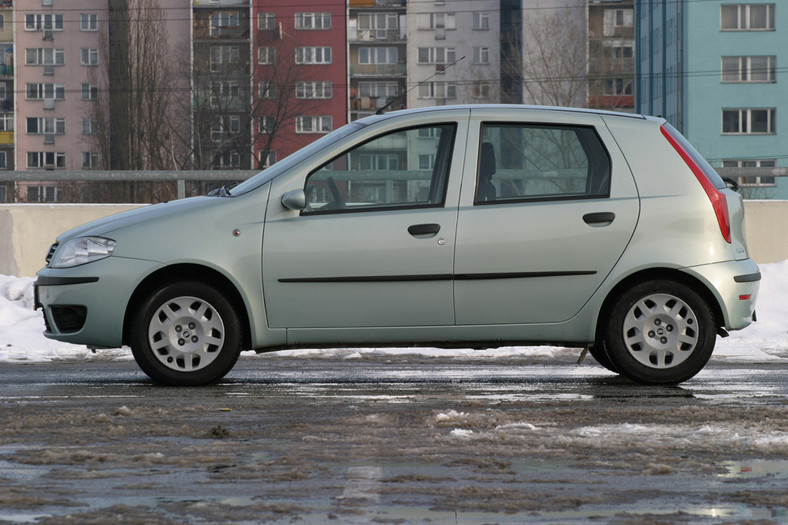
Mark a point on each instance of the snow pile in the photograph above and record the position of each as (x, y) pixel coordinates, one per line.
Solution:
(21, 331)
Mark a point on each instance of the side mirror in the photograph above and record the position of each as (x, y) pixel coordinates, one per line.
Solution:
(294, 200)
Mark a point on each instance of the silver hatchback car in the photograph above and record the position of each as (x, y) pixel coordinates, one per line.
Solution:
(474, 226)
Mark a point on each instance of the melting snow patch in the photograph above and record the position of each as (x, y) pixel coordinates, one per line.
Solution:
(461, 433)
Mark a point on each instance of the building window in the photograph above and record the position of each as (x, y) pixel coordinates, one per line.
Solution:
(3, 166)
(223, 92)
(378, 22)
(747, 17)
(481, 21)
(436, 55)
(313, 55)
(267, 89)
(37, 56)
(46, 125)
(266, 20)
(758, 180)
(6, 122)
(44, 22)
(437, 90)
(267, 160)
(46, 159)
(231, 160)
(438, 21)
(321, 90)
(89, 56)
(321, 124)
(617, 87)
(378, 55)
(224, 20)
(267, 124)
(89, 91)
(43, 194)
(34, 91)
(481, 55)
(480, 90)
(88, 22)
(89, 126)
(225, 126)
(221, 55)
(758, 121)
(749, 69)
(266, 55)
(313, 21)
(90, 160)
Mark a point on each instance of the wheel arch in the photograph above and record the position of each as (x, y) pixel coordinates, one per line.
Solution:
(188, 272)
(652, 274)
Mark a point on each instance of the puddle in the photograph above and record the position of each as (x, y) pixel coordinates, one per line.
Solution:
(756, 468)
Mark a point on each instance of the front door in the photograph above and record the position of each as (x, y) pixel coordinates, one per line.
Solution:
(374, 246)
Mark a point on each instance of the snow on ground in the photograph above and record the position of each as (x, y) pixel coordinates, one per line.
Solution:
(22, 340)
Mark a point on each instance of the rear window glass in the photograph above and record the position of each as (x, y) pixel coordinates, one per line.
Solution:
(704, 166)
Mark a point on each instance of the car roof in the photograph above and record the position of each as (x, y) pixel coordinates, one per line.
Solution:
(507, 107)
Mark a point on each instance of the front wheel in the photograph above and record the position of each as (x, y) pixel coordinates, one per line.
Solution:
(186, 334)
(660, 332)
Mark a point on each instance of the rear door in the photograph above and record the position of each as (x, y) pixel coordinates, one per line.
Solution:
(548, 206)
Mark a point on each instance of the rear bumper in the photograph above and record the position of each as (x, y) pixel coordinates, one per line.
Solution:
(735, 285)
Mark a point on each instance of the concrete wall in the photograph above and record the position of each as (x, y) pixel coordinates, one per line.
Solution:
(27, 231)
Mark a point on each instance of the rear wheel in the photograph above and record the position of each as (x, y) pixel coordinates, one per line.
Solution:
(186, 334)
(660, 332)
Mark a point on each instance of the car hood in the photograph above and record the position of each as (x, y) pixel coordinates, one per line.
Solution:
(106, 225)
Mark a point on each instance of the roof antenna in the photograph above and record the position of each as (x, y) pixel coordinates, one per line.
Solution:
(383, 109)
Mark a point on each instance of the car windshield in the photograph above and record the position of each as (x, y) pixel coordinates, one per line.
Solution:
(290, 161)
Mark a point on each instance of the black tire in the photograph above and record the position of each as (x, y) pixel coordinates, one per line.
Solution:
(186, 334)
(659, 332)
(599, 353)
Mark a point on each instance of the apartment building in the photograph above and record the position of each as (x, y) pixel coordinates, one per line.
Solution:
(454, 52)
(377, 35)
(611, 54)
(711, 69)
(57, 80)
(7, 160)
(299, 75)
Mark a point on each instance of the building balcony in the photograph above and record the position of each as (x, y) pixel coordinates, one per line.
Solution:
(6, 70)
(6, 138)
(366, 4)
(376, 35)
(378, 70)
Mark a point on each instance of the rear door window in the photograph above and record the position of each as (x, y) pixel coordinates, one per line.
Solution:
(525, 162)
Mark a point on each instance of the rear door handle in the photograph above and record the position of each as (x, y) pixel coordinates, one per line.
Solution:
(419, 230)
(602, 217)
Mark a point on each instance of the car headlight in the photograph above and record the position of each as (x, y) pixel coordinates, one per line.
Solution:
(82, 250)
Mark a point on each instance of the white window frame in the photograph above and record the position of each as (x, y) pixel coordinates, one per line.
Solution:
(313, 21)
(89, 56)
(438, 90)
(45, 91)
(739, 69)
(481, 21)
(266, 89)
(223, 20)
(46, 159)
(314, 124)
(745, 119)
(90, 160)
(42, 56)
(89, 126)
(88, 22)
(266, 21)
(757, 181)
(378, 55)
(89, 91)
(313, 55)
(436, 55)
(46, 126)
(481, 55)
(44, 22)
(266, 55)
(6, 122)
(744, 17)
(266, 124)
(314, 90)
(269, 160)
(223, 54)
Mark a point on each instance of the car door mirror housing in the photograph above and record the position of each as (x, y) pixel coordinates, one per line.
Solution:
(294, 200)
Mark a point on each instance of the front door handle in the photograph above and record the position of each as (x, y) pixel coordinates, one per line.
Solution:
(602, 217)
(420, 230)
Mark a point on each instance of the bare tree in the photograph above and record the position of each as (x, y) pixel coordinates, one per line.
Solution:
(133, 126)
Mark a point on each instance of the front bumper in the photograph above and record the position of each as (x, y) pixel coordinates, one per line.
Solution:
(87, 304)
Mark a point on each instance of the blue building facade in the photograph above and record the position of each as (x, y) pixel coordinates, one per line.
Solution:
(713, 70)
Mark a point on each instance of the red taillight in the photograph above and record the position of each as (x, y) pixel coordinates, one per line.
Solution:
(717, 198)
